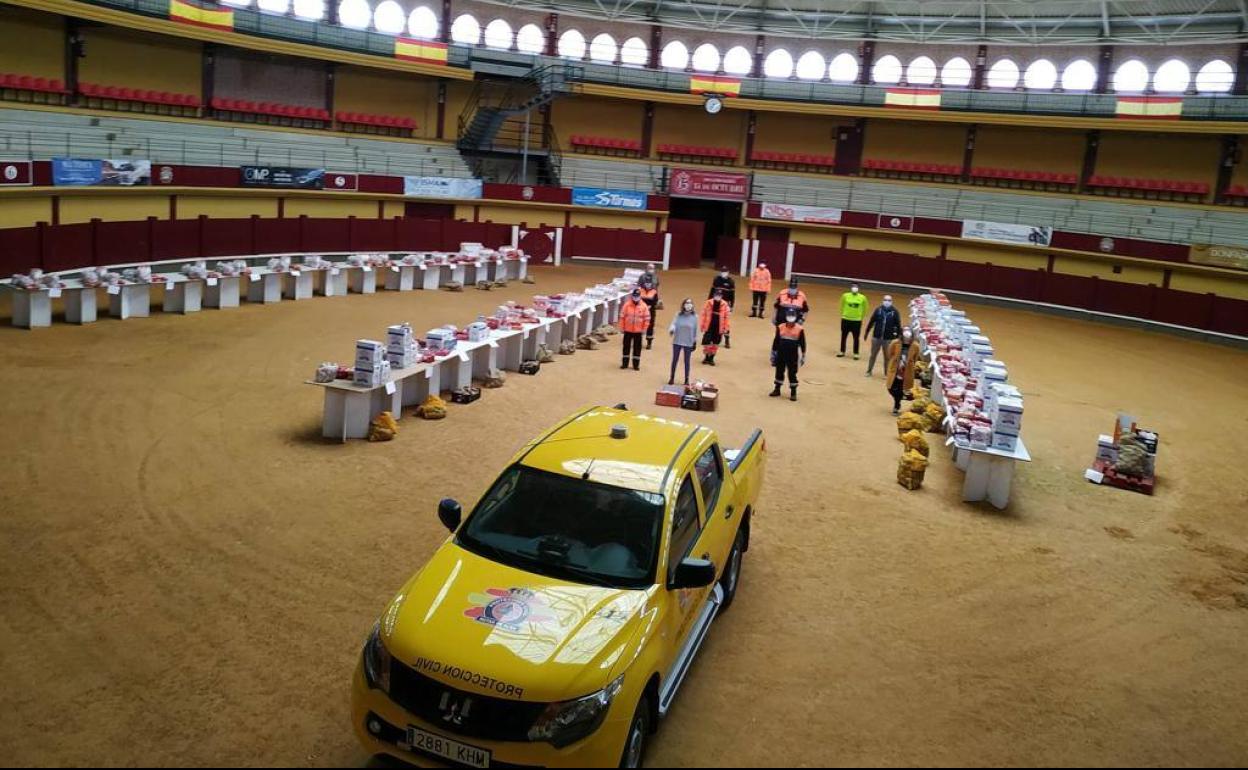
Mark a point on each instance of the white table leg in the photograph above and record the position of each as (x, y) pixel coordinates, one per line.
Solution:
(458, 274)
(32, 309)
(363, 280)
(267, 290)
(571, 324)
(484, 361)
(509, 355)
(962, 458)
(528, 349)
(1000, 479)
(978, 471)
(522, 268)
(80, 306)
(431, 278)
(298, 285)
(133, 301)
(224, 293)
(460, 373)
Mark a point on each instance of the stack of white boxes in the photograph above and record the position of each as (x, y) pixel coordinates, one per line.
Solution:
(371, 368)
(442, 338)
(401, 348)
(1007, 423)
(478, 331)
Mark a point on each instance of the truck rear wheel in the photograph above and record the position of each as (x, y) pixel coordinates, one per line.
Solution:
(731, 578)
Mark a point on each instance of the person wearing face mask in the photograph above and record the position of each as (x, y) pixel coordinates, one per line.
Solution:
(760, 285)
(684, 332)
(853, 309)
(792, 297)
(903, 353)
(883, 328)
(788, 352)
(634, 320)
(714, 325)
(650, 296)
(650, 276)
(724, 284)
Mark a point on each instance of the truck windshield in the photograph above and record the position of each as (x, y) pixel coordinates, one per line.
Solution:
(567, 528)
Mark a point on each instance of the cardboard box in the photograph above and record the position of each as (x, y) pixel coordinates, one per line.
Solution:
(669, 395)
(1105, 449)
(478, 331)
(1009, 414)
(1004, 441)
(367, 377)
(710, 400)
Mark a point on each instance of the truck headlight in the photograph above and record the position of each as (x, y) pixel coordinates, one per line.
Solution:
(563, 724)
(377, 661)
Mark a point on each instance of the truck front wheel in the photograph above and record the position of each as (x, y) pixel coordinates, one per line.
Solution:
(639, 729)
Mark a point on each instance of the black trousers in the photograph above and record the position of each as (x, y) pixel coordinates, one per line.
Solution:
(760, 302)
(896, 392)
(632, 340)
(788, 365)
(850, 328)
(654, 314)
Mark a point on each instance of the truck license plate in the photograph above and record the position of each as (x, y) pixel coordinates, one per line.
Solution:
(469, 756)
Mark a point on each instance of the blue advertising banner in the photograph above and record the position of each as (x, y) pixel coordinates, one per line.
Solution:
(282, 176)
(609, 199)
(90, 173)
(441, 187)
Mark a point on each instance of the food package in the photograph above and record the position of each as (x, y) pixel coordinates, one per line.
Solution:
(981, 436)
(315, 262)
(495, 378)
(142, 274)
(1132, 458)
(609, 330)
(908, 421)
(91, 277)
(544, 356)
(528, 278)
(934, 416)
(599, 336)
(432, 408)
(453, 286)
(911, 469)
(529, 367)
(279, 264)
(465, 395)
(669, 395)
(227, 269)
(484, 285)
(195, 270)
(586, 342)
(500, 283)
(383, 428)
(913, 440)
(25, 282)
(567, 348)
(326, 372)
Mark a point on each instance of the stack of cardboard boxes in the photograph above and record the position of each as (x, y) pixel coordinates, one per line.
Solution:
(371, 367)
(402, 350)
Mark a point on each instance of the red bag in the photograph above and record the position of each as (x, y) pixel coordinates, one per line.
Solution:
(711, 350)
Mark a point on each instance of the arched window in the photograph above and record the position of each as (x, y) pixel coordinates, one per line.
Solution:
(887, 70)
(1003, 74)
(634, 52)
(778, 64)
(675, 56)
(355, 14)
(921, 72)
(956, 73)
(1131, 77)
(602, 49)
(530, 39)
(844, 68)
(466, 30)
(310, 10)
(1041, 75)
(1079, 75)
(811, 66)
(738, 61)
(706, 58)
(1173, 77)
(572, 45)
(498, 35)
(1216, 77)
(273, 6)
(422, 24)
(389, 17)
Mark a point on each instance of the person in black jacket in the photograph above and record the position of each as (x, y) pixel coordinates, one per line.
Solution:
(883, 328)
(788, 352)
(724, 283)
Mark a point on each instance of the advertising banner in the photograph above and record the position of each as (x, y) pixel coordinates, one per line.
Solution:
(1234, 257)
(15, 173)
(88, 173)
(282, 176)
(441, 187)
(999, 232)
(813, 214)
(713, 185)
(609, 199)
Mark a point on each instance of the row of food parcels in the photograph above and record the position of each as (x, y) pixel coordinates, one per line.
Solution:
(984, 409)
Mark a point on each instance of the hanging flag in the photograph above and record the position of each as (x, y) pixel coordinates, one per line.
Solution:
(423, 51)
(914, 98)
(1150, 107)
(212, 18)
(709, 84)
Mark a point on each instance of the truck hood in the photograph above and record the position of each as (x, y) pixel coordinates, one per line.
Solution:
(480, 626)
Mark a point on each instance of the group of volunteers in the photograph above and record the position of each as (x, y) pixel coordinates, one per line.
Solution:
(885, 328)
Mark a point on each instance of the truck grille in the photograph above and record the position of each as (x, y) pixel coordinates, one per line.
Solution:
(459, 712)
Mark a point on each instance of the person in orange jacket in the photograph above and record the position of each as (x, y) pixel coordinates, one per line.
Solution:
(635, 318)
(714, 325)
(791, 297)
(650, 296)
(760, 285)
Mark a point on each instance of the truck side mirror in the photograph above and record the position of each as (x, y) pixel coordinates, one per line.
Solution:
(450, 513)
(693, 573)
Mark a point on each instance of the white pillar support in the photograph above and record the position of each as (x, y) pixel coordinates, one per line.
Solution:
(515, 236)
(745, 250)
(754, 257)
(788, 263)
(558, 246)
(667, 251)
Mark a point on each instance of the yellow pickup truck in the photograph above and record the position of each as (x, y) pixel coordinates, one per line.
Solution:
(555, 625)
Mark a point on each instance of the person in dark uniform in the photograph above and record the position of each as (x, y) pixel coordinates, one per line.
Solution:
(791, 297)
(714, 325)
(788, 352)
(724, 283)
(650, 296)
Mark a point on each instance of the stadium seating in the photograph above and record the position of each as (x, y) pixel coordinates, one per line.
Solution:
(792, 160)
(1147, 188)
(604, 145)
(390, 124)
(1013, 177)
(906, 168)
(698, 153)
(97, 95)
(269, 110)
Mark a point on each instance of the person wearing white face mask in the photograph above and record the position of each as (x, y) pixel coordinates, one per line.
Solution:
(684, 332)
(883, 328)
(899, 373)
(728, 288)
(853, 310)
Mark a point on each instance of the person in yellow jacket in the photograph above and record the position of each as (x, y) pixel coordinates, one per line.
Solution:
(853, 309)
(760, 285)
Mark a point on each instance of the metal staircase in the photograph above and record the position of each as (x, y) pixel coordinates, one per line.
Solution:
(504, 132)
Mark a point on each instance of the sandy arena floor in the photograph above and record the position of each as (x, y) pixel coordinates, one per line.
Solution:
(189, 571)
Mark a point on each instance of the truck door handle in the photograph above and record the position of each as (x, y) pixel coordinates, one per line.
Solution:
(728, 512)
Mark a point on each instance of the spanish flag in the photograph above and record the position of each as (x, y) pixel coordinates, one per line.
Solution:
(1150, 107)
(914, 98)
(423, 51)
(709, 84)
(212, 18)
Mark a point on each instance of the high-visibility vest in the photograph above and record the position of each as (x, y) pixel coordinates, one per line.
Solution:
(649, 295)
(787, 301)
(708, 308)
(634, 316)
(790, 331)
(761, 280)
